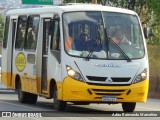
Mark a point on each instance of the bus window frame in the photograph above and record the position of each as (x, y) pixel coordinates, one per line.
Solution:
(4, 46)
(139, 23)
(52, 34)
(56, 52)
(19, 49)
(31, 50)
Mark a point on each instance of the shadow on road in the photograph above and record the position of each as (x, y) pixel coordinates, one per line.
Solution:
(75, 111)
(46, 107)
(7, 91)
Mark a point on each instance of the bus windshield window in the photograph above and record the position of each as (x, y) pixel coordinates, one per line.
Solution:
(125, 31)
(85, 33)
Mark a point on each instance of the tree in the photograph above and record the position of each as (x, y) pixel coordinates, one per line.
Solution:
(1, 26)
(1, 29)
(154, 6)
(154, 23)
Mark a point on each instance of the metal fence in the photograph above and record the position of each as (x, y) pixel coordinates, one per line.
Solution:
(154, 87)
(154, 70)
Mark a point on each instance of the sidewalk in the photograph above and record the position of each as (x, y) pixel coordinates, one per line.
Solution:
(2, 87)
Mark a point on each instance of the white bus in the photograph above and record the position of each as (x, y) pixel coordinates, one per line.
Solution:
(71, 54)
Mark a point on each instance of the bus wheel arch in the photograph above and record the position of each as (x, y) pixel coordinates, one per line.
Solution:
(57, 104)
(17, 80)
(24, 97)
(51, 87)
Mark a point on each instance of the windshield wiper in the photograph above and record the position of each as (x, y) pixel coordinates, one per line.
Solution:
(91, 51)
(94, 45)
(120, 49)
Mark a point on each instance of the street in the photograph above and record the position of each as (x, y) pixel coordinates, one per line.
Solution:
(9, 102)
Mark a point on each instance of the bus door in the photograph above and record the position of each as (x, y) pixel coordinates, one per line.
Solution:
(27, 56)
(6, 52)
(14, 24)
(46, 26)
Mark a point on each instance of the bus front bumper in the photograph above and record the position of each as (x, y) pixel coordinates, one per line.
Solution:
(74, 90)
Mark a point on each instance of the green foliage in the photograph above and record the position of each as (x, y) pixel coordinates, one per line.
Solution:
(1, 26)
(154, 23)
(154, 6)
(154, 56)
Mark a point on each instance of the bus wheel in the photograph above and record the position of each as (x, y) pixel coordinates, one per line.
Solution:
(22, 96)
(32, 98)
(128, 107)
(58, 104)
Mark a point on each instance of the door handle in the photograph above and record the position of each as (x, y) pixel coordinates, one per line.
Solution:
(45, 55)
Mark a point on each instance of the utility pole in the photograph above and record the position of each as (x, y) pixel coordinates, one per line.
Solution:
(94, 1)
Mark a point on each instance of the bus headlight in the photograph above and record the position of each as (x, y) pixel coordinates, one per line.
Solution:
(142, 76)
(74, 74)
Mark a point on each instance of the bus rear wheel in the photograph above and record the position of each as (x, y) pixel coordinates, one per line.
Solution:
(32, 98)
(58, 104)
(22, 96)
(25, 97)
(128, 106)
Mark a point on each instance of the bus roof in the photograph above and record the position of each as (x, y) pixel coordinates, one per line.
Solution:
(68, 8)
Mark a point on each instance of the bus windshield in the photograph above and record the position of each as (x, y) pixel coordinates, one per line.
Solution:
(97, 35)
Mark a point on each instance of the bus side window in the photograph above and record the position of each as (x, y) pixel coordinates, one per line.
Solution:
(21, 31)
(32, 33)
(5, 38)
(55, 40)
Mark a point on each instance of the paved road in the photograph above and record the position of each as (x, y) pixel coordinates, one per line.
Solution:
(9, 102)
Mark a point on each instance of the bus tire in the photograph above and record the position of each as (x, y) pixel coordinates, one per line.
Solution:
(32, 98)
(58, 104)
(22, 96)
(128, 106)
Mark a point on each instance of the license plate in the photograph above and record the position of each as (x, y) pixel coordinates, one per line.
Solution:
(109, 98)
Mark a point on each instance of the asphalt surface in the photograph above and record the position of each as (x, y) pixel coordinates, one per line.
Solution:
(44, 107)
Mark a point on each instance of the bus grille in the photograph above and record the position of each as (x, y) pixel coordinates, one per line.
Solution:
(102, 84)
(106, 92)
(103, 79)
(93, 78)
(120, 79)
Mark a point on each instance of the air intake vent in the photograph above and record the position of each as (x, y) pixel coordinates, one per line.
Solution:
(94, 78)
(109, 92)
(120, 79)
(104, 90)
(102, 84)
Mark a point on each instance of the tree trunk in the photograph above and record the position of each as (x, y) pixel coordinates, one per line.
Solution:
(94, 1)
